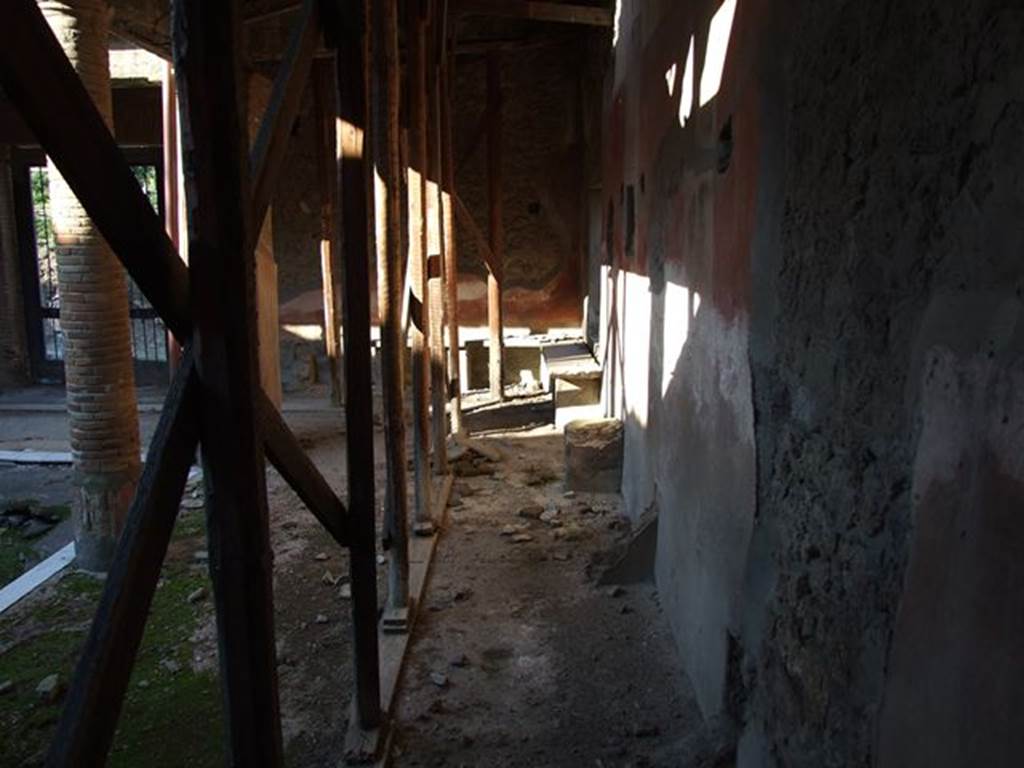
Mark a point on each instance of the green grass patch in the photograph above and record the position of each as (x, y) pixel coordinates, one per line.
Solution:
(171, 714)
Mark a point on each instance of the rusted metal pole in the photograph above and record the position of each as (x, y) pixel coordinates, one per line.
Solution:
(415, 34)
(435, 264)
(497, 228)
(384, 97)
(352, 201)
(451, 260)
(329, 237)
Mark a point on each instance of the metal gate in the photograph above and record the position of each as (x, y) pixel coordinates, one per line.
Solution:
(41, 292)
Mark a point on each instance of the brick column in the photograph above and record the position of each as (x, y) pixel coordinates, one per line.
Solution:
(13, 351)
(102, 409)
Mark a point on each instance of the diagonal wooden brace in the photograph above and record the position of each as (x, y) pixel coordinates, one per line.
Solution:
(40, 81)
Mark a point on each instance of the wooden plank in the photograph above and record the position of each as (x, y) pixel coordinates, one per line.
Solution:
(89, 718)
(416, 84)
(324, 93)
(299, 471)
(40, 81)
(537, 11)
(384, 141)
(435, 272)
(268, 150)
(206, 42)
(352, 203)
(451, 253)
(496, 364)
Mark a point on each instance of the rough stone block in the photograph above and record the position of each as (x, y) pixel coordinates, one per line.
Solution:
(593, 455)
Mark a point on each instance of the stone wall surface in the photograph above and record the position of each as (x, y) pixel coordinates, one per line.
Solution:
(832, 437)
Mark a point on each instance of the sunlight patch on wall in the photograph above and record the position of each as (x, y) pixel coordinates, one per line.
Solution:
(675, 331)
(670, 79)
(686, 97)
(618, 19)
(635, 322)
(718, 46)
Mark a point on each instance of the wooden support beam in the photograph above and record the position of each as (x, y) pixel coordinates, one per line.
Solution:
(206, 41)
(496, 366)
(324, 95)
(451, 258)
(416, 100)
(537, 11)
(352, 201)
(483, 244)
(299, 471)
(275, 131)
(435, 267)
(89, 718)
(384, 129)
(172, 170)
(40, 82)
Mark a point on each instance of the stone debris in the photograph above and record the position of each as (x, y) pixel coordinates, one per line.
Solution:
(329, 579)
(531, 512)
(50, 689)
(616, 591)
(571, 532)
(201, 556)
(28, 523)
(550, 515)
(193, 503)
(171, 666)
(569, 495)
(6, 687)
(321, 557)
(345, 591)
(321, 618)
(521, 538)
(461, 661)
(440, 679)
(197, 595)
(143, 683)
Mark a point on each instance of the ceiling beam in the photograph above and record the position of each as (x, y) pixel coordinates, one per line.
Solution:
(536, 11)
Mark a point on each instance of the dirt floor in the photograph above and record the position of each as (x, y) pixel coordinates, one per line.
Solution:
(519, 658)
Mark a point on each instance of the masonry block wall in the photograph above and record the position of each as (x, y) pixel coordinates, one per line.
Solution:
(817, 336)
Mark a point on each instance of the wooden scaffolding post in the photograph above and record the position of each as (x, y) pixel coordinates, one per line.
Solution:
(323, 97)
(352, 201)
(207, 39)
(384, 141)
(416, 72)
(172, 207)
(451, 260)
(495, 277)
(435, 249)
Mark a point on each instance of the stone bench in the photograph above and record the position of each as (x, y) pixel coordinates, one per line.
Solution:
(569, 371)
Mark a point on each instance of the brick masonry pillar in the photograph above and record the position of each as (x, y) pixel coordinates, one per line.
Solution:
(13, 350)
(102, 409)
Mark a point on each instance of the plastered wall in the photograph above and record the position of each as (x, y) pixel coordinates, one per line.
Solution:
(815, 339)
